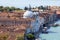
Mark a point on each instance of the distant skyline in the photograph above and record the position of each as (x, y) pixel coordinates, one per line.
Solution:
(33, 3)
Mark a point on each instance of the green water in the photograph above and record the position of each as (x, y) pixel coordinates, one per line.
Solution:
(54, 33)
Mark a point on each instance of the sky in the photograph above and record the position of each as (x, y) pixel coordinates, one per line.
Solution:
(33, 3)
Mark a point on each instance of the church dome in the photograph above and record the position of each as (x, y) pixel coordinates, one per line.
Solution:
(28, 14)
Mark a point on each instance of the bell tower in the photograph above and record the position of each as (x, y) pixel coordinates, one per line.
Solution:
(29, 8)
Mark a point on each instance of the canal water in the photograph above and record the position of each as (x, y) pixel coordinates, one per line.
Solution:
(53, 33)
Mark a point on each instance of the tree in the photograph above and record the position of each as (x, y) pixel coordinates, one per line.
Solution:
(12, 8)
(39, 7)
(18, 9)
(6, 9)
(9, 9)
(1, 8)
(44, 8)
(25, 8)
(30, 36)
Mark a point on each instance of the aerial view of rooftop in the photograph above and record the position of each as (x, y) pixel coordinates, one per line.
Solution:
(29, 19)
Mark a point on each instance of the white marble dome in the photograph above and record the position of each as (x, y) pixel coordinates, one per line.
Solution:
(28, 14)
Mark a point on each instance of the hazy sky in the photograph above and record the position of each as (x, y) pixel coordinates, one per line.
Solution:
(23, 3)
